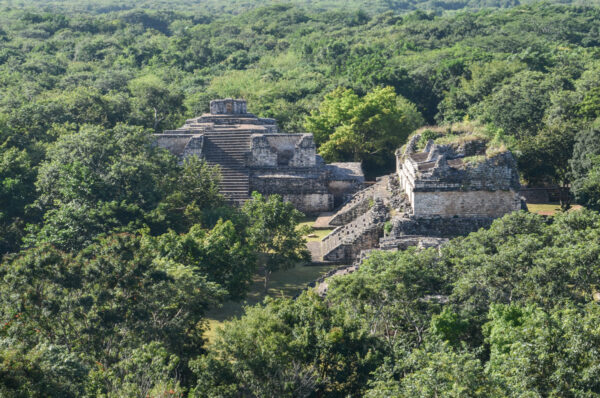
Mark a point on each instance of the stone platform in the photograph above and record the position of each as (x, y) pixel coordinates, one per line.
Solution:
(322, 222)
(255, 156)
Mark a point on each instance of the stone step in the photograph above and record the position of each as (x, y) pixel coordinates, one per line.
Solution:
(228, 150)
(234, 141)
(351, 235)
(221, 159)
(223, 145)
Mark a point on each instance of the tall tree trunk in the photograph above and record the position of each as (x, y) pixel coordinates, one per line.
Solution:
(565, 197)
(267, 277)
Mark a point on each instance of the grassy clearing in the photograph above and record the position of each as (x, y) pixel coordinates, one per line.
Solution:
(548, 209)
(314, 234)
(282, 284)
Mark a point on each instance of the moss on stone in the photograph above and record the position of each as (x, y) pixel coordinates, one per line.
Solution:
(477, 159)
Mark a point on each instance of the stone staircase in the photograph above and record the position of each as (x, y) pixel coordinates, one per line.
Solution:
(228, 150)
(360, 203)
(344, 244)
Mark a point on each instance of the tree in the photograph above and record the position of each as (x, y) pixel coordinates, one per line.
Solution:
(434, 370)
(147, 371)
(518, 106)
(95, 181)
(587, 189)
(289, 348)
(95, 164)
(583, 165)
(522, 259)
(546, 158)
(545, 353)
(45, 370)
(363, 129)
(196, 189)
(335, 109)
(273, 234)
(112, 297)
(154, 100)
(483, 79)
(388, 292)
(221, 254)
(16, 192)
(590, 106)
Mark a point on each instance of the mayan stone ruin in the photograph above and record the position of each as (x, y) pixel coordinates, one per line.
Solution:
(449, 185)
(255, 156)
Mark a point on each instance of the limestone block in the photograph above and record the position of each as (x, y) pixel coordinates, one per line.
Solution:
(305, 152)
(228, 106)
(470, 203)
(311, 203)
(194, 147)
(261, 152)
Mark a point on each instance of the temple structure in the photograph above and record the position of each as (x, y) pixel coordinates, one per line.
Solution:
(254, 156)
(458, 179)
(449, 185)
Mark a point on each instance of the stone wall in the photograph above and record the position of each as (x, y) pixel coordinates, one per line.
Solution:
(404, 242)
(360, 203)
(194, 147)
(465, 204)
(343, 191)
(496, 173)
(228, 106)
(288, 181)
(345, 179)
(306, 189)
(276, 150)
(181, 145)
(310, 204)
(437, 226)
(355, 208)
(261, 154)
(440, 181)
(345, 243)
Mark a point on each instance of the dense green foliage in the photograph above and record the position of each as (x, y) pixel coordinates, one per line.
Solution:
(504, 312)
(528, 71)
(349, 128)
(273, 233)
(585, 166)
(112, 251)
(237, 6)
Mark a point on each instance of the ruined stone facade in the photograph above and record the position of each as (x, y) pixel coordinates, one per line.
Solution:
(458, 180)
(438, 192)
(254, 156)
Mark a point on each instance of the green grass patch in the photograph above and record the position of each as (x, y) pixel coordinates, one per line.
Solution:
(318, 234)
(476, 159)
(314, 234)
(548, 209)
